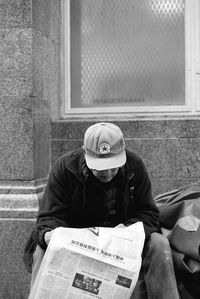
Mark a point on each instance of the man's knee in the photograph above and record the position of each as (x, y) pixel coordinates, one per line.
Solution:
(37, 260)
(38, 255)
(157, 247)
(158, 242)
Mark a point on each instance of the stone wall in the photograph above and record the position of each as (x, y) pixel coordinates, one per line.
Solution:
(29, 89)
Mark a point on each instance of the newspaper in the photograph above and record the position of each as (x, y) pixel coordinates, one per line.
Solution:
(90, 263)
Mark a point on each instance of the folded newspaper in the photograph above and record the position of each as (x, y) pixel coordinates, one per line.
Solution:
(98, 262)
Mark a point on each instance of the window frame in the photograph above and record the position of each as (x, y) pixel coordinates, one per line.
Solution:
(192, 73)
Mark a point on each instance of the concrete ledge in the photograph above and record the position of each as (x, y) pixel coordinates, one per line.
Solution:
(14, 279)
(18, 210)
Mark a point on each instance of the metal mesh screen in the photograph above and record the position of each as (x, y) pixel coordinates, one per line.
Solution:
(127, 52)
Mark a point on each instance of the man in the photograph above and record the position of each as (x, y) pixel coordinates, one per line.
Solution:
(104, 184)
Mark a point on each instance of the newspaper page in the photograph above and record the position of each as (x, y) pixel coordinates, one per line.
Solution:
(90, 263)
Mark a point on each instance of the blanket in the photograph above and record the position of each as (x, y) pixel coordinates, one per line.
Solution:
(180, 222)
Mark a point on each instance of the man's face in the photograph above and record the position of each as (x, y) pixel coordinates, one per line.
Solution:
(106, 175)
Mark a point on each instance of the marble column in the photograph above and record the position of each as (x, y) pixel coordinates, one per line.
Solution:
(29, 84)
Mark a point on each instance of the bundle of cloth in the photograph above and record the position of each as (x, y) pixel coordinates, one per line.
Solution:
(180, 222)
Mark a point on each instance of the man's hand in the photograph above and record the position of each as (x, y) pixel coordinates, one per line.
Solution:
(47, 236)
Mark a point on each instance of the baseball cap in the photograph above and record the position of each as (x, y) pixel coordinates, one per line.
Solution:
(104, 146)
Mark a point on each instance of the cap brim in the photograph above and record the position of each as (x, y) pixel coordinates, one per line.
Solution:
(106, 163)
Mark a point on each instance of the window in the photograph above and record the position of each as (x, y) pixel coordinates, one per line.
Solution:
(130, 56)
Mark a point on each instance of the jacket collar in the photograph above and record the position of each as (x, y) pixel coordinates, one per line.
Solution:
(75, 163)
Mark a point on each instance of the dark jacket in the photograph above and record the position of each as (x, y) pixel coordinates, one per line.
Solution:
(65, 195)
